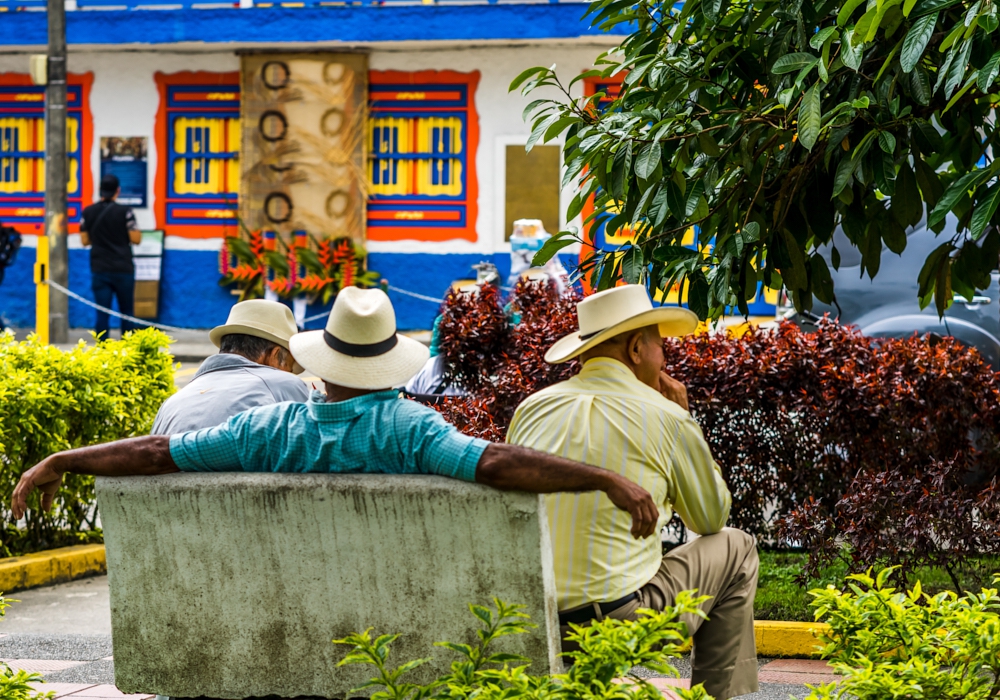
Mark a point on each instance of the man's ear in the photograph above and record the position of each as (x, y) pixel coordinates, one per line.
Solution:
(633, 346)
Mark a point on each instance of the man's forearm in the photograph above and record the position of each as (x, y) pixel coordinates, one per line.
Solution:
(145, 455)
(136, 456)
(515, 468)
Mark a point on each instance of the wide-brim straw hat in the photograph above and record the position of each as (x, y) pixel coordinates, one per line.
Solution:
(614, 311)
(360, 348)
(260, 318)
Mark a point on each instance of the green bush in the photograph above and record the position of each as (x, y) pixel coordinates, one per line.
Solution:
(601, 669)
(51, 400)
(892, 644)
(14, 684)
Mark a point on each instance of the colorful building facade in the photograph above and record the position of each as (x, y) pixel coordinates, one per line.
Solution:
(386, 124)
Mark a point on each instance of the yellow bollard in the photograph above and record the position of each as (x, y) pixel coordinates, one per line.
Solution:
(42, 289)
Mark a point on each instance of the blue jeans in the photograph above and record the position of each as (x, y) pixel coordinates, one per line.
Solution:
(117, 284)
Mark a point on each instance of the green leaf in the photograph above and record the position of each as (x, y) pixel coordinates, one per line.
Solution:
(633, 265)
(871, 255)
(916, 41)
(822, 282)
(988, 73)
(708, 145)
(894, 236)
(673, 253)
(820, 37)
(930, 184)
(810, 118)
(956, 191)
(908, 7)
(920, 84)
(693, 198)
(549, 249)
(853, 51)
(523, 76)
(698, 295)
(887, 141)
(648, 160)
(862, 28)
(844, 171)
(846, 11)
(942, 290)
(986, 207)
(794, 276)
(957, 70)
(751, 232)
(676, 201)
(906, 206)
(789, 63)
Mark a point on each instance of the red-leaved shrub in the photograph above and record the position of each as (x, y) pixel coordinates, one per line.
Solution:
(886, 450)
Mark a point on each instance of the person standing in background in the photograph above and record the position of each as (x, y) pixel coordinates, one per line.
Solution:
(109, 229)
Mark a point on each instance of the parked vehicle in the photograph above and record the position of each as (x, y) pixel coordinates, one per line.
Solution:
(888, 307)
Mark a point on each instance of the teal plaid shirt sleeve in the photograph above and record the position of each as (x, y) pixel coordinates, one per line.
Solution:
(433, 446)
(206, 450)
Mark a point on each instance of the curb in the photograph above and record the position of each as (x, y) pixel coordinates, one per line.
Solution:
(51, 566)
(787, 639)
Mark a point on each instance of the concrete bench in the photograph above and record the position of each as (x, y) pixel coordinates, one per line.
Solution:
(234, 585)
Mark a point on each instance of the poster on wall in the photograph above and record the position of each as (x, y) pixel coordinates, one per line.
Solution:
(125, 157)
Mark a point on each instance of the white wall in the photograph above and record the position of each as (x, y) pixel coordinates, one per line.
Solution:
(124, 101)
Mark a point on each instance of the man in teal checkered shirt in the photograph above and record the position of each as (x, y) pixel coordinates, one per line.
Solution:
(360, 425)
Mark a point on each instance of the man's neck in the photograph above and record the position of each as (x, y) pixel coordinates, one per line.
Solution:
(335, 392)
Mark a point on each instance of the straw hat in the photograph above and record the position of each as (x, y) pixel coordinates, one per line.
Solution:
(261, 319)
(360, 348)
(619, 310)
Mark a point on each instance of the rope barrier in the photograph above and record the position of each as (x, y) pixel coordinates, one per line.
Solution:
(415, 295)
(133, 319)
(112, 312)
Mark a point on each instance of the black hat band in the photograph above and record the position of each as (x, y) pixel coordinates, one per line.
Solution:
(359, 350)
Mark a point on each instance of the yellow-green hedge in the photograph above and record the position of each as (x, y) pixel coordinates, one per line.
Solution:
(52, 400)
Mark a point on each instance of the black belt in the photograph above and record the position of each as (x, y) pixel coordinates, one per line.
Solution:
(588, 613)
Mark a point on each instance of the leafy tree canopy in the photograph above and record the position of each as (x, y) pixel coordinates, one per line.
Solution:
(768, 123)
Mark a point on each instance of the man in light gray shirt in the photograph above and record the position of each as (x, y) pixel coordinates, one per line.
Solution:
(253, 368)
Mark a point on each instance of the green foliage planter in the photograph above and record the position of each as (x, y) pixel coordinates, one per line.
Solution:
(51, 400)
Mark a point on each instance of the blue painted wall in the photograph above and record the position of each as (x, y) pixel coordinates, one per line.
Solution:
(277, 25)
(190, 296)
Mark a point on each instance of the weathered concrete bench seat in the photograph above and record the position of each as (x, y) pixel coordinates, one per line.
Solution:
(234, 585)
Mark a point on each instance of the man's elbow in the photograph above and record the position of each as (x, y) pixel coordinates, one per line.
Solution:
(489, 469)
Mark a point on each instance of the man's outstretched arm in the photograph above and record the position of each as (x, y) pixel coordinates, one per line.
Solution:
(514, 468)
(135, 456)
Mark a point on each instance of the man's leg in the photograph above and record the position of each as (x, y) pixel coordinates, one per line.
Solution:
(723, 566)
(103, 291)
(125, 291)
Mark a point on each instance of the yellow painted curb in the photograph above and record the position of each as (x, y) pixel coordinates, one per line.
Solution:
(51, 566)
(789, 639)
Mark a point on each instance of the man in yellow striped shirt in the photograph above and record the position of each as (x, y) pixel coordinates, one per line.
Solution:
(623, 413)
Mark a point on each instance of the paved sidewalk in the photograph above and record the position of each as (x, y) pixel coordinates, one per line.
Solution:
(64, 632)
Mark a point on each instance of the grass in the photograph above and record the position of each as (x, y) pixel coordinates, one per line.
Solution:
(781, 596)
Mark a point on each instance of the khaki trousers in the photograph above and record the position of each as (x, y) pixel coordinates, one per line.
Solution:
(723, 566)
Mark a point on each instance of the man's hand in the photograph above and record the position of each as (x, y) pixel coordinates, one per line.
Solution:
(673, 390)
(636, 500)
(43, 476)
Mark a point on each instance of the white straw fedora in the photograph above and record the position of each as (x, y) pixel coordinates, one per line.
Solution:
(260, 318)
(619, 310)
(360, 348)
